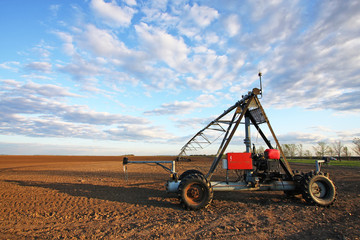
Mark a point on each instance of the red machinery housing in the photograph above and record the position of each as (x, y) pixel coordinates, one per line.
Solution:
(239, 161)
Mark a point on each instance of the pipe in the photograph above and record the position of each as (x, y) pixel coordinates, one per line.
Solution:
(247, 139)
(172, 186)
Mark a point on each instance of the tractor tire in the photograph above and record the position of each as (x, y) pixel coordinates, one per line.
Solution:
(298, 178)
(195, 192)
(318, 189)
(188, 172)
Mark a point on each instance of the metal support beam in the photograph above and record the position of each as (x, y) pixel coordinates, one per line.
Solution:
(215, 122)
(159, 163)
(260, 132)
(221, 151)
(285, 164)
(228, 131)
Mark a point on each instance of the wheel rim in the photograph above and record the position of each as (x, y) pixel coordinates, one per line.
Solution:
(194, 193)
(319, 189)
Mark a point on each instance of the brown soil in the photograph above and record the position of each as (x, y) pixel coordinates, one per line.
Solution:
(55, 197)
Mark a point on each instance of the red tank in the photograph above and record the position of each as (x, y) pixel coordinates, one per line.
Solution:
(272, 154)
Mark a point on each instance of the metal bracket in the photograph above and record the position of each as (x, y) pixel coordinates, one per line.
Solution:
(318, 165)
(158, 163)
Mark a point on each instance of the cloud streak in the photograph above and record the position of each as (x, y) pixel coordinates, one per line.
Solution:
(38, 110)
(113, 14)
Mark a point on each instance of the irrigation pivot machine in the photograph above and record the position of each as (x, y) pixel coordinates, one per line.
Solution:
(268, 171)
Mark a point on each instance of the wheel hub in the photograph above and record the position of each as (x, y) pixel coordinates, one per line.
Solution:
(194, 192)
(318, 189)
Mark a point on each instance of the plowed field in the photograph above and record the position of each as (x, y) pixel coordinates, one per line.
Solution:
(64, 197)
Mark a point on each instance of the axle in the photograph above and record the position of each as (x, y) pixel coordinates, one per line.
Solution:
(172, 186)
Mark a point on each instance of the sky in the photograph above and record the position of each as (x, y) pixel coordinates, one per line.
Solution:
(101, 77)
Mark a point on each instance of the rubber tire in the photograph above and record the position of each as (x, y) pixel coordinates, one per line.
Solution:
(188, 172)
(195, 192)
(318, 189)
(298, 177)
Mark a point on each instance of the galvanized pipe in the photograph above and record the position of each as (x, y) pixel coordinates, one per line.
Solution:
(247, 139)
(172, 186)
(242, 186)
(318, 165)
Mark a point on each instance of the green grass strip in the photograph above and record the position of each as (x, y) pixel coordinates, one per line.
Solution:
(332, 163)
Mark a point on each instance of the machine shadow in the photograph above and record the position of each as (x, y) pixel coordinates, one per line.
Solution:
(132, 195)
(95, 175)
(263, 198)
(70, 173)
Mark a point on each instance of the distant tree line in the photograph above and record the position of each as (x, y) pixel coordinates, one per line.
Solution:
(322, 149)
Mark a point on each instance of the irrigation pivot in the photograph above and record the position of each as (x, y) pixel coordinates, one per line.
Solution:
(267, 171)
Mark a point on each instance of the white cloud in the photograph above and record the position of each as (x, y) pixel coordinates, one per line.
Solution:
(11, 65)
(193, 123)
(163, 46)
(33, 98)
(34, 76)
(8, 84)
(112, 14)
(39, 110)
(301, 137)
(146, 66)
(140, 132)
(232, 25)
(160, 78)
(342, 102)
(44, 67)
(82, 114)
(316, 69)
(211, 38)
(54, 9)
(159, 4)
(130, 2)
(42, 50)
(49, 127)
(194, 19)
(183, 107)
(46, 90)
(201, 15)
(108, 54)
(263, 8)
(60, 147)
(319, 134)
(348, 135)
(103, 42)
(153, 50)
(158, 17)
(177, 107)
(68, 45)
(209, 71)
(271, 23)
(206, 99)
(80, 69)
